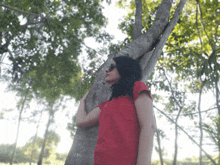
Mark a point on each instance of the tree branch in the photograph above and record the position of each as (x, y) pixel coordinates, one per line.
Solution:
(198, 112)
(158, 49)
(200, 39)
(202, 23)
(141, 45)
(187, 135)
(169, 83)
(138, 20)
(20, 11)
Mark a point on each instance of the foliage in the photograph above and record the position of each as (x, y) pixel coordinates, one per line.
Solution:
(5, 151)
(192, 48)
(72, 127)
(43, 40)
(31, 150)
(149, 8)
(61, 156)
(213, 129)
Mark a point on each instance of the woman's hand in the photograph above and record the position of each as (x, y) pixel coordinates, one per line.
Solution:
(84, 97)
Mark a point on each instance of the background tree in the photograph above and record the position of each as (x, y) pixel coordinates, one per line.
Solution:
(193, 51)
(22, 104)
(23, 153)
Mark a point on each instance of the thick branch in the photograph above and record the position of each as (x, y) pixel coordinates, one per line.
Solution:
(158, 49)
(143, 44)
(138, 20)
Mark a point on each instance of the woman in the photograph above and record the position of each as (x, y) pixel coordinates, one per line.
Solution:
(126, 122)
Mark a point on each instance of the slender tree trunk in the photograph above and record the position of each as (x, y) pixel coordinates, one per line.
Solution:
(200, 124)
(159, 148)
(217, 95)
(180, 107)
(218, 123)
(190, 137)
(18, 127)
(16, 139)
(176, 137)
(175, 146)
(34, 141)
(40, 159)
(81, 152)
(158, 141)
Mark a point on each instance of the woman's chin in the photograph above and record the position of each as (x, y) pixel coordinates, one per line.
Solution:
(108, 81)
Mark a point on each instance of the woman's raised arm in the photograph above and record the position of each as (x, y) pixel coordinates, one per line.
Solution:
(82, 118)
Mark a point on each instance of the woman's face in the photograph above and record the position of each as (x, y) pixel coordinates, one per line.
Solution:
(112, 75)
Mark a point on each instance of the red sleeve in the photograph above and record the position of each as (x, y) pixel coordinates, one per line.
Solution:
(138, 87)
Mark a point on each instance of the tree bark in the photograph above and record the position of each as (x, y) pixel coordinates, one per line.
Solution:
(34, 140)
(40, 159)
(16, 139)
(218, 116)
(159, 148)
(85, 139)
(18, 127)
(138, 20)
(200, 124)
(159, 145)
(144, 43)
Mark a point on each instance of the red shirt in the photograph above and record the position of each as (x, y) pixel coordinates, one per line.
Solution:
(119, 130)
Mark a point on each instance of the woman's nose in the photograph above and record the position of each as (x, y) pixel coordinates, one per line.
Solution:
(106, 70)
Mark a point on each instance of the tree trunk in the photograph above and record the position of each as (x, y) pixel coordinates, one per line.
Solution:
(176, 136)
(81, 152)
(175, 145)
(18, 127)
(180, 108)
(16, 139)
(190, 137)
(159, 148)
(40, 159)
(34, 141)
(200, 124)
(218, 116)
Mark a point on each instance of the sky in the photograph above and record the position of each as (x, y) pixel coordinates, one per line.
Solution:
(27, 130)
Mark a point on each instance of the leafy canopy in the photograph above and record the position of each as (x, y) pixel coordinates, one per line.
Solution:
(43, 40)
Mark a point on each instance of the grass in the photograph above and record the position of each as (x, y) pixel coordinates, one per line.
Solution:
(51, 163)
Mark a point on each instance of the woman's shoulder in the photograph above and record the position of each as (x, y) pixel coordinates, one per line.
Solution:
(139, 84)
(138, 87)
